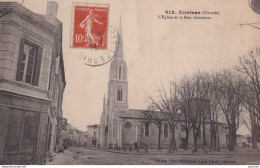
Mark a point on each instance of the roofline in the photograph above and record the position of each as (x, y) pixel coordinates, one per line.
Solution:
(39, 19)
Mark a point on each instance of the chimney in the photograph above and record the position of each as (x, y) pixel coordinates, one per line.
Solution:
(52, 9)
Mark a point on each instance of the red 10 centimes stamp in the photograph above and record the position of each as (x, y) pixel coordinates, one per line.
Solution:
(97, 41)
(90, 26)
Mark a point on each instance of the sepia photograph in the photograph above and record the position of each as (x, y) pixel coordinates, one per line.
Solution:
(144, 82)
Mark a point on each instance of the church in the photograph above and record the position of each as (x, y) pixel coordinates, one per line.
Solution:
(122, 127)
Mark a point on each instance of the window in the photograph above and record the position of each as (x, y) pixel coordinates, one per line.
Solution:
(29, 63)
(119, 72)
(94, 134)
(165, 130)
(183, 143)
(119, 95)
(199, 132)
(94, 142)
(146, 128)
(182, 128)
(128, 125)
(29, 138)
(13, 132)
(21, 137)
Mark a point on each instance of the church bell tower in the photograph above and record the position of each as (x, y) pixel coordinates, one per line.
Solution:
(118, 85)
(117, 97)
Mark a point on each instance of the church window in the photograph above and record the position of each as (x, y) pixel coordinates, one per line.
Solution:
(119, 95)
(128, 125)
(119, 72)
(199, 132)
(146, 128)
(165, 130)
(182, 128)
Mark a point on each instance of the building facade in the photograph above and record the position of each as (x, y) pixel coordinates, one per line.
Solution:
(32, 82)
(123, 127)
(71, 137)
(92, 132)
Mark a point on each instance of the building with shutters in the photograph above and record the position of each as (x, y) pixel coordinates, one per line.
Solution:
(32, 83)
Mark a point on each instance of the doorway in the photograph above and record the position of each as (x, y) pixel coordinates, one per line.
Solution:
(183, 143)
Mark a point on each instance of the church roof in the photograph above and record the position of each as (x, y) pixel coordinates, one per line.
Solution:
(130, 114)
(136, 114)
(140, 114)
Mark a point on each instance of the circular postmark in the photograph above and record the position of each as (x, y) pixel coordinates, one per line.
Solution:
(96, 57)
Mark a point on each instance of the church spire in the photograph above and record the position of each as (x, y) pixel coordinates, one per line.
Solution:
(120, 51)
(118, 68)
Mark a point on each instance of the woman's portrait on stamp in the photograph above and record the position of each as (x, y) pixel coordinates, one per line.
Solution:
(90, 28)
(87, 24)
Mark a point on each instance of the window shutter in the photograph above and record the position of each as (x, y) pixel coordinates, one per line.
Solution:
(36, 75)
(18, 75)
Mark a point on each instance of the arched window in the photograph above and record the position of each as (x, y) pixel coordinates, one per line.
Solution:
(119, 94)
(119, 72)
(165, 127)
(146, 128)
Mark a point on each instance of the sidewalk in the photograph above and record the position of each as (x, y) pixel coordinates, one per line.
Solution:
(185, 152)
(83, 155)
(65, 158)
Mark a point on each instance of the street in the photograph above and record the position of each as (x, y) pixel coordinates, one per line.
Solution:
(87, 156)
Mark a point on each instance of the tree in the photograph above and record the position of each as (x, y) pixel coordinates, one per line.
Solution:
(249, 67)
(228, 87)
(202, 93)
(62, 126)
(249, 117)
(168, 105)
(62, 123)
(153, 116)
(194, 94)
(214, 115)
(186, 91)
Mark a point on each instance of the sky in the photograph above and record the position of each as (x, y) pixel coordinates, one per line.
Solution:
(156, 50)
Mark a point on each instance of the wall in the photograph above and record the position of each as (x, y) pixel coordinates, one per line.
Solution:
(13, 29)
(20, 24)
(137, 134)
(92, 134)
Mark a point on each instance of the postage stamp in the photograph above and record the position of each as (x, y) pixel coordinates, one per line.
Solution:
(96, 57)
(90, 26)
(91, 32)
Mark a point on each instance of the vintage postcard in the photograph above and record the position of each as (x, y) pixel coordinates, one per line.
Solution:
(145, 82)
